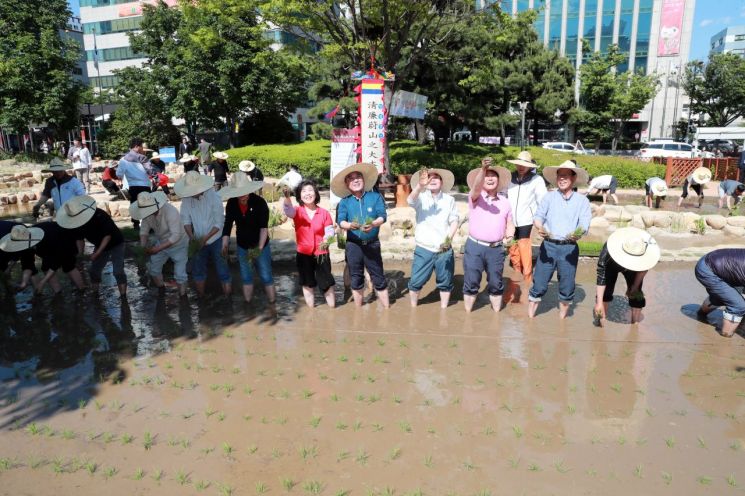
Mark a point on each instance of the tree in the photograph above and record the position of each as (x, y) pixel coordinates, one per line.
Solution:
(608, 99)
(716, 89)
(36, 65)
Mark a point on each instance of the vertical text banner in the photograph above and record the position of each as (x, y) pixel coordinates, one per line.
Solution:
(671, 27)
(373, 123)
(343, 153)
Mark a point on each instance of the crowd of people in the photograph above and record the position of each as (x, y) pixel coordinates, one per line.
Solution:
(505, 209)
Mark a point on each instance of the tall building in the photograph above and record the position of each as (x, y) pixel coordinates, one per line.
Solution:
(730, 40)
(654, 34)
(74, 31)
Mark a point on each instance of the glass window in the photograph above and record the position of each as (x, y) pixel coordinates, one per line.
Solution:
(522, 5)
(554, 25)
(671, 146)
(686, 148)
(740, 37)
(640, 65)
(655, 146)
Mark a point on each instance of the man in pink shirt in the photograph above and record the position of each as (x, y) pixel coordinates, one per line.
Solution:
(489, 226)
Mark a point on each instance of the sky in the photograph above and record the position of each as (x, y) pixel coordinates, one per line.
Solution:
(711, 17)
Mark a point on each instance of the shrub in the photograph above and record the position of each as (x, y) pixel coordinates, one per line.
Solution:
(311, 157)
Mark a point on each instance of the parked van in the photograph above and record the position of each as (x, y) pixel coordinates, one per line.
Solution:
(666, 149)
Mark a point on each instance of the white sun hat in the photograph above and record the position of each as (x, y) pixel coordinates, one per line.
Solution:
(240, 184)
(220, 155)
(193, 183)
(448, 179)
(76, 211)
(702, 175)
(21, 238)
(339, 184)
(633, 249)
(147, 204)
(582, 176)
(246, 166)
(524, 158)
(505, 176)
(658, 188)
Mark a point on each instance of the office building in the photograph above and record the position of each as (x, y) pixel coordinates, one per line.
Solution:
(654, 34)
(74, 31)
(730, 40)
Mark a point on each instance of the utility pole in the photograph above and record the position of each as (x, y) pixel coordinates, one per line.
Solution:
(523, 106)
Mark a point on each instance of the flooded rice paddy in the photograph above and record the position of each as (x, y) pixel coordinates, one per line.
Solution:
(176, 396)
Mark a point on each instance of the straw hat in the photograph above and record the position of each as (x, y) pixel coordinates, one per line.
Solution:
(187, 158)
(505, 176)
(76, 211)
(147, 204)
(702, 175)
(339, 184)
(550, 173)
(633, 249)
(448, 179)
(155, 155)
(21, 238)
(240, 184)
(220, 155)
(57, 165)
(246, 166)
(192, 184)
(658, 188)
(524, 158)
(146, 148)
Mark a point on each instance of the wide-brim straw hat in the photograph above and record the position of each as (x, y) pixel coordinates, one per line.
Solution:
(339, 184)
(524, 158)
(57, 165)
(702, 175)
(76, 211)
(192, 184)
(155, 155)
(146, 148)
(21, 238)
(505, 176)
(582, 176)
(187, 158)
(240, 184)
(658, 188)
(246, 166)
(633, 249)
(147, 204)
(448, 179)
(220, 155)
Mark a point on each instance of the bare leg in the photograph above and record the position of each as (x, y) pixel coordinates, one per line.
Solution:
(615, 198)
(248, 292)
(680, 201)
(532, 308)
(199, 285)
(76, 278)
(729, 328)
(227, 288)
(383, 297)
(357, 295)
(444, 299)
(122, 289)
(157, 281)
(414, 297)
(496, 302)
(700, 201)
(636, 315)
(563, 310)
(468, 301)
(182, 287)
(55, 284)
(271, 293)
(330, 297)
(308, 294)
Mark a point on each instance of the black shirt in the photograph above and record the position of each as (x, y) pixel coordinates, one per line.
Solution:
(606, 264)
(728, 264)
(255, 175)
(248, 226)
(100, 226)
(220, 169)
(25, 256)
(158, 166)
(58, 247)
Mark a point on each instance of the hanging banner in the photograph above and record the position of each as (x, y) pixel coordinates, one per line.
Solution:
(407, 104)
(671, 27)
(343, 153)
(167, 154)
(373, 123)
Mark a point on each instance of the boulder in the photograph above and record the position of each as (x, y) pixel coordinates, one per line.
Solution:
(620, 215)
(599, 223)
(114, 209)
(734, 231)
(689, 220)
(715, 221)
(385, 232)
(23, 197)
(3, 199)
(663, 219)
(37, 176)
(597, 210)
(638, 222)
(736, 221)
(647, 218)
(124, 211)
(12, 199)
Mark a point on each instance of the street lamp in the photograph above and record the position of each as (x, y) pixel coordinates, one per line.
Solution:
(523, 106)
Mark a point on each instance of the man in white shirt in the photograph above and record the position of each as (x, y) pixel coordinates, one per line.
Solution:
(292, 179)
(436, 223)
(203, 217)
(603, 185)
(81, 164)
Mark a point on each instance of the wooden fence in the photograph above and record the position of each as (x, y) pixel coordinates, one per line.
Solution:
(678, 169)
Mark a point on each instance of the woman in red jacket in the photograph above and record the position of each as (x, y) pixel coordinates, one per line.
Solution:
(313, 229)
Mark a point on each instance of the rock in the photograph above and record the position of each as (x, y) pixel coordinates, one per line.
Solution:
(736, 221)
(734, 231)
(597, 210)
(636, 209)
(689, 220)
(37, 176)
(104, 205)
(385, 232)
(663, 219)
(32, 196)
(599, 223)
(124, 211)
(23, 198)
(638, 222)
(648, 219)
(3, 199)
(715, 221)
(12, 199)
(114, 209)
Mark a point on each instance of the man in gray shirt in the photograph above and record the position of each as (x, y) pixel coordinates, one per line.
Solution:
(205, 151)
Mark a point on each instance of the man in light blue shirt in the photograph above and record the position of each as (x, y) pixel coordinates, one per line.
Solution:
(562, 218)
(436, 223)
(135, 169)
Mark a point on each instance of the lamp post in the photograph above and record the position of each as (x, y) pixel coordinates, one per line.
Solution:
(523, 106)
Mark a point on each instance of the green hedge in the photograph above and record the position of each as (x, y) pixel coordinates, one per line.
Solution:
(312, 157)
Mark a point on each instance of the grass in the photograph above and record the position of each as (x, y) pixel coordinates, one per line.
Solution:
(308, 452)
(313, 487)
(288, 483)
(589, 248)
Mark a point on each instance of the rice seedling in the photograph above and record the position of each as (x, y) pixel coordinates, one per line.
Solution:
(701, 442)
(736, 445)
(33, 429)
(109, 472)
(639, 472)
(308, 452)
(341, 426)
(209, 412)
(667, 477)
(621, 440)
(518, 431)
(221, 416)
(395, 453)
(68, 434)
(99, 406)
(377, 427)
(314, 421)
(148, 440)
(343, 492)
(157, 475)
(362, 457)
(252, 449)
(533, 467)
(704, 480)
(276, 453)
(108, 437)
(559, 466)
(617, 388)
(405, 426)
(227, 449)
(313, 487)
(731, 480)
(342, 455)
(225, 490)
(288, 483)
(670, 442)
(468, 465)
(428, 461)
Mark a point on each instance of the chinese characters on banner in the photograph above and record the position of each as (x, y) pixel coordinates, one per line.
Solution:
(373, 123)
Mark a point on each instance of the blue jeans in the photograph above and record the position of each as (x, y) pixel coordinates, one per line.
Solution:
(202, 257)
(425, 261)
(721, 293)
(262, 264)
(477, 259)
(558, 258)
(365, 256)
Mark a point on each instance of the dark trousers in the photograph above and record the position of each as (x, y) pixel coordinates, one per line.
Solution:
(134, 192)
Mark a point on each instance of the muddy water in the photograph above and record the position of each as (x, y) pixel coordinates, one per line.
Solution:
(250, 400)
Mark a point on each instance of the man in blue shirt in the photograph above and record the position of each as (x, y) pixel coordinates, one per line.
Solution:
(722, 273)
(361, 212)
(60, 187)
(562, 218)
(136, 168)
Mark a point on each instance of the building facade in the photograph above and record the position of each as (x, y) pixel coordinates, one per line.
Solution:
(74, 31)
(730, 40)
(654, 34)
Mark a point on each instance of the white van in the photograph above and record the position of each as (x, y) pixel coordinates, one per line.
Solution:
(666, 149)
